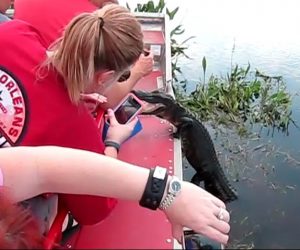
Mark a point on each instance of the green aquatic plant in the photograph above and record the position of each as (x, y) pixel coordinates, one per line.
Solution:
(241, 98)
(149, 7)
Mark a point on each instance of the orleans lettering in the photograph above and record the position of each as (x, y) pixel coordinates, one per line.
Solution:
(4, 110)
(13, 132)
(17, 100)
(17, 121)
(18, 110)
(3, 79)
(13, 99)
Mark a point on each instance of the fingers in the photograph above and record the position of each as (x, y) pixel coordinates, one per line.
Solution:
(218, 202)
(101, 99)
(214, 199)
(133, 122)
(111, 117)
(220, 220)
(219, 225)
(222, 214)
(147, 54)
(91, 101)
(216, 235)
(94, 97)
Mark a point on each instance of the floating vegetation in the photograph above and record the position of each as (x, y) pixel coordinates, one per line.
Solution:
(241, 246)
(288, 158)
(241, 99)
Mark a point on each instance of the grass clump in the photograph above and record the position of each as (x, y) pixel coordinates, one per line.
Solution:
(240, 98)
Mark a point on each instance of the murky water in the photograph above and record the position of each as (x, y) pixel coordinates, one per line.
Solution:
(266, 34)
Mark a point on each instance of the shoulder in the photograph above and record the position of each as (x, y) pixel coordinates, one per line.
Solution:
(55, 8)
(50, 16)
(15, 30)
(17, 25)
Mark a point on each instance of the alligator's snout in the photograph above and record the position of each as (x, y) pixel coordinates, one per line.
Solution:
(157, 102)
(154, 97)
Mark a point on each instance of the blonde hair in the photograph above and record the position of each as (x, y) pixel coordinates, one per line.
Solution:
(107, 39)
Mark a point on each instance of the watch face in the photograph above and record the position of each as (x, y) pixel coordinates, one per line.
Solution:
(176, 186)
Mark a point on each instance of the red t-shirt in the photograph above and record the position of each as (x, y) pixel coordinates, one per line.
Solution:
(37, 110)
(50, 16)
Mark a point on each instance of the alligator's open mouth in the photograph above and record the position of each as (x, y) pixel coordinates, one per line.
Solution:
(153, 108)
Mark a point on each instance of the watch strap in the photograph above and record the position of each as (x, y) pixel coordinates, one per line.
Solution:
(154, 190)
(168, 200)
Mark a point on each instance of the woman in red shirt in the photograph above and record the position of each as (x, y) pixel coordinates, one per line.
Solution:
(50, 18)
(40, 90)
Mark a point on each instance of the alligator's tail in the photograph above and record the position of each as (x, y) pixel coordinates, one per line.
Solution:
(218, 185)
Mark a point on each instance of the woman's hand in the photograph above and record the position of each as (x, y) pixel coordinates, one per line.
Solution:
(143, 66)
(119, 132)
(198, 210)
(91, 101)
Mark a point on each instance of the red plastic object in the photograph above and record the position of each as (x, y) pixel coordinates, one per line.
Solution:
(54, 235)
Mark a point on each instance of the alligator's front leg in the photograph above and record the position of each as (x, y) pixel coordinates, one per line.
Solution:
(218, 185)
(197, 178)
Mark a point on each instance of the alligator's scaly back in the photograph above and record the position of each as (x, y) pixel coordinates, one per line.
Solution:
(198, 146)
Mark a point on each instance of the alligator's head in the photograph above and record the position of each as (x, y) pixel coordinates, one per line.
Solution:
(163, 106)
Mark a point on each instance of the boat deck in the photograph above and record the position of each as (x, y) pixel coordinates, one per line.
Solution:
(131, 226)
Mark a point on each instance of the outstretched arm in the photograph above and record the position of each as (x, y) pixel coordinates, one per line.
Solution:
(29, 171)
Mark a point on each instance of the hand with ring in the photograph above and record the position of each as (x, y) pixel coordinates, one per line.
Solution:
(220, 215)
(199, 211)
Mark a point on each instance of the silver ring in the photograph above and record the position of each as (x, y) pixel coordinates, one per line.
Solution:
(221, 214)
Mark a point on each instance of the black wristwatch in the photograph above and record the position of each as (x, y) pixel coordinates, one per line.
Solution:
(155, 188)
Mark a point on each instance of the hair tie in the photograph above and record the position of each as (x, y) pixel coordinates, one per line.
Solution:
(101, 22)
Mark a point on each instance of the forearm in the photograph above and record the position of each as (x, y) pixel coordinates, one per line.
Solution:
(63, 170)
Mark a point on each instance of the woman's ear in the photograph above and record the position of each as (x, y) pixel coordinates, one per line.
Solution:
(104, 76)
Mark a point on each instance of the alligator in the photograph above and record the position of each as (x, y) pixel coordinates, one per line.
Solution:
(197, 144)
